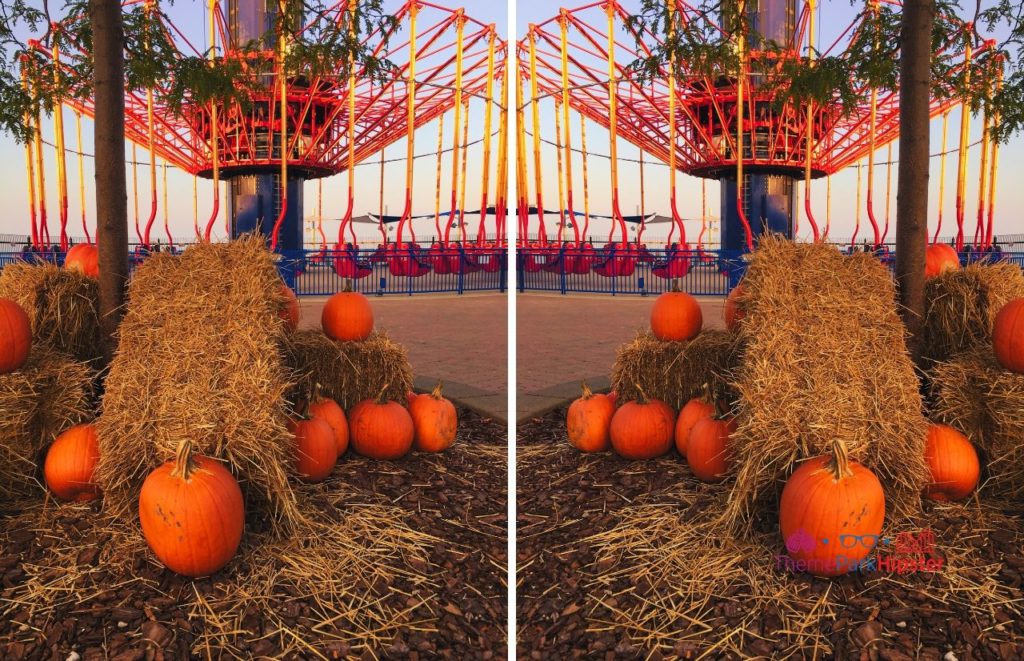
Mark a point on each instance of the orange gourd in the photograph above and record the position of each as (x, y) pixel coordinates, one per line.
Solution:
(316, 452)
(289, 307)
(329, 411)
(676, 316)
(693, 412)
(642, 429)
(588, 421)
(192, 513)
(831, 513)
(1008, 336)
(347, 316)
(15, 336)
(952, 462)
(707, 449)
(939, 258)
(434, 421)
(734, 312)
(84, 258)
(381, 429)
(70, 464)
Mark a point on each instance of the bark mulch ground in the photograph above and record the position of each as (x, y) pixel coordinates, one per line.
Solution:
(565, 496)
(458, 497)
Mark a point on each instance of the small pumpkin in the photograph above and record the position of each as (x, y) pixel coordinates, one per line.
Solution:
(84, 258)
(734, 312)
(676, 316)
(381, 429)
(707, 449)
(192, 513)
(939, 258)
(70, 464)
(693, 411)
(1008, 336)
(952, 462)
(316, 451)
(289, 307)
(434, 421)
(347, 316)
(328, 410)
(588, 421)
(831, 513)
(642, 429)
(15, 336)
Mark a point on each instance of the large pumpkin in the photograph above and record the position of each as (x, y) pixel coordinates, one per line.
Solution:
(70, 464)
(347, 316)
(707, 450)
(84, 258)
(734, 313)
(434, 421)
(329, 411)
(642, 429)
(831, 513)
(15, 336)
(939, 258)
(192, 513)
(1008, 336)
(316, 451)
(695, 410)
(676, 316)
(952, 462)
(381, 429)
(290, 307)
(588, 421)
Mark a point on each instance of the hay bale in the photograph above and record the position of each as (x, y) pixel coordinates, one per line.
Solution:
(199, 358)
(347, 372)
(825, 358)
(961, 307)
(975, 395)
(61, 306)
(49, 394)
(675, 372)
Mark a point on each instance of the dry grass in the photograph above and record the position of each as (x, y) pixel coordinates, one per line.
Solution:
(675, 372)
(199, 358)
(49, 394)
(961, 306)
(974, 394)
(347, 372)
(824, 358)
(61, 306)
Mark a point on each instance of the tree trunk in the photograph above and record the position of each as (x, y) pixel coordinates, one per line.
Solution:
(111, 190)
(912, 186)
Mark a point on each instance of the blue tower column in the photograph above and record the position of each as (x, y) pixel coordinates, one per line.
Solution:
(253, 206)
(769, 201)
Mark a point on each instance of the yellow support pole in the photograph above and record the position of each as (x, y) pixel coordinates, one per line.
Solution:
(535, 101)
(135, 191)
(485, 183)
(677, 221)
(81, 173)
(740, 80)
(613, 136)
(62, 170)
(942, 175)
(586, 179)
(965, 126)
(347, 220)
(282, 46)
(561, 181)
(437, 189)
(809, 141)
(214, 137)
(30, 166)
(995, 164)
(410, 124)
(460, 23)
(567, 138)
(462, 186)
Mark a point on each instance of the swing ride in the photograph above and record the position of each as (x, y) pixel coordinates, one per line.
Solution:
(579, 62)
(301, 126)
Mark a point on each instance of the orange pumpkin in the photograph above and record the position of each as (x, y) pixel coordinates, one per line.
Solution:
(381, 429)
(15, 336)
(831, 513)
(70, 464)
(329, 411)
(734, 313)
(315, 450)
(939, 258)
(694, 411)
(290, 307)
(192, 513)
(642, 429)
(1007, 336)
(434, 421)
(707, 449)
(952, 462)
(347, 316)
(676, 316)
(588, 421)
(84, 258)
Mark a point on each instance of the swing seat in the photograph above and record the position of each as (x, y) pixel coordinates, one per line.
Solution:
(348, 265)
(488, 258)
(530, 258)
(438, 259)
(621, 261)
(555, 260)
(675, 265)
(583, 259)
(403, 261)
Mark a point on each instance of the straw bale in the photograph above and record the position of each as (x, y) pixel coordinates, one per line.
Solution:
(825, 358)
(961, 306)
(61, 306)
(675, 372)
(198, 359)
(49, 394)
(347, 372)
(975, 395)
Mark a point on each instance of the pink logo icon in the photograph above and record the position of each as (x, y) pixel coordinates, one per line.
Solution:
(799, 541)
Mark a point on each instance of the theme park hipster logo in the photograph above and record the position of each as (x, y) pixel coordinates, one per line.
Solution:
(907, 553)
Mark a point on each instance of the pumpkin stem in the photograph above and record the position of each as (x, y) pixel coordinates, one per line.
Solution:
(380, 396)
(643, 398)
(348, 285)
(587, 393)
(436, 392)
(183, 464)
(675, 286)
(840, 460)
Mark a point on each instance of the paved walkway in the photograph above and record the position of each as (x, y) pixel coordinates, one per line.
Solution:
(462, 340)
(563, 340)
